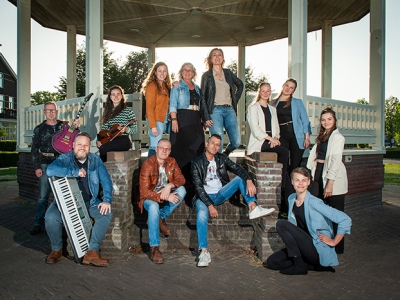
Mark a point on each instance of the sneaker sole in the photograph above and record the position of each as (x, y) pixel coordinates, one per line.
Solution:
(258, 216)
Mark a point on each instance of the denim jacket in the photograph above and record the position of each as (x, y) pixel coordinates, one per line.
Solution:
(319, 218)
(65, 166)
(180, 96)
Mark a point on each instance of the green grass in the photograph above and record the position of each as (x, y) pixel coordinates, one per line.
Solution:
(392, 174)
(8, 174)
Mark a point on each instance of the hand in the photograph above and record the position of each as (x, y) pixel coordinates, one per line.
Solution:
(173, 198)
(328, 188)
(251, 188)
(104, 208)
(213, 211)
(306, 143)
(209, 123)
(175, 127)
(323, 238)
(154, 131)
(76, 122)
(175, 83)
(82, 173)
(98, 144)
(274, 142)
(165, 192)
(39, 172)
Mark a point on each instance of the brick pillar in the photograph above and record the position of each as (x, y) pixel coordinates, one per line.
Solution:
(121, 166)
(266, 173)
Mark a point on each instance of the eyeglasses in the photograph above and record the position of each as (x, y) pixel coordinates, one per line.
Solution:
(50, 110)
(164, 149)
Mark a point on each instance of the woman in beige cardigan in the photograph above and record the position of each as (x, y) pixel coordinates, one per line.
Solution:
(327, 168)
(264, 135)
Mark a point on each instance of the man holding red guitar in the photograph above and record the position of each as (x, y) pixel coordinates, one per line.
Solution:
(44, 154)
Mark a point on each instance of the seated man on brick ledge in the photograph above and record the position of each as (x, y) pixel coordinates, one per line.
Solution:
(213, 188)
(90, 173)
(161, 191)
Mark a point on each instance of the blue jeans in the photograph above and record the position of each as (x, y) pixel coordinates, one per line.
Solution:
(44, 193)
(224, 194)
(54, 226)
(154, 139)
(225, 117)
(160, 211)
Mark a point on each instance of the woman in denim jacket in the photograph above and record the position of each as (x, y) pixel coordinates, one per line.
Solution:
(187, 134)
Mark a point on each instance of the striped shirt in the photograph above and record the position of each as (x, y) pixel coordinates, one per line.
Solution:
(123, 118)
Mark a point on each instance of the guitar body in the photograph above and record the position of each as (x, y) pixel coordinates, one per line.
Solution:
(64, 140)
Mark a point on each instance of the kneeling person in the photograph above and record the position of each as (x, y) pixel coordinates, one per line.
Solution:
(213, 188)
(90, 172)
(161, 191)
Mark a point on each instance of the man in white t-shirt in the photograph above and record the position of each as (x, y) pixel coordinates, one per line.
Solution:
(213, 187)
(161, 191)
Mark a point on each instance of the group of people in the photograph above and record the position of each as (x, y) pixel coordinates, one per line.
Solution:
(280, 125)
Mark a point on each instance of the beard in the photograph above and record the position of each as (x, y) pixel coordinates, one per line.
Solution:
(80, 155)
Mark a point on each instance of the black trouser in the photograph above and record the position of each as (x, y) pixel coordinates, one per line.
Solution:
(122, 143)
(289, 141)
(298, 243)
(336, 201)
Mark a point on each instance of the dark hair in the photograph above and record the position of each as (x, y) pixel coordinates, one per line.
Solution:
(153, 77)
(323, 134)
(301, 170)
(214, 135)
(208, 62)
(83, 134)
(280, 94)
(109, 110)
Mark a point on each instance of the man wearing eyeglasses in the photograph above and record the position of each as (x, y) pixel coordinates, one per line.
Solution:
(43, 154)
(161, 191)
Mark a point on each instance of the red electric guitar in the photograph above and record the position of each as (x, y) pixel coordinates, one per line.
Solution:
(63, 141)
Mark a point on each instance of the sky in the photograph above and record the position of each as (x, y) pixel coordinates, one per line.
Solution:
(350, 56)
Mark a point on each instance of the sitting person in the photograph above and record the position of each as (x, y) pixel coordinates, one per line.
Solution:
(213, 188)
(161, 191)
(308, 234)
(90, 173)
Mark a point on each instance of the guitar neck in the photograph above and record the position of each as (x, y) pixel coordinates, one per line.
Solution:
(85, 100)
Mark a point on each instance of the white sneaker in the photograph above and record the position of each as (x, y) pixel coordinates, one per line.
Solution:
(204, 259)
(260, 211)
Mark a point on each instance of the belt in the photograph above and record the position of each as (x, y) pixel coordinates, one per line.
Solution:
(47, 154)
(287, 123)
(321, 161)
(224, 105)
(193, 107)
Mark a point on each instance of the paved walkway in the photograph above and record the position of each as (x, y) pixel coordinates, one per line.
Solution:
(369, 268)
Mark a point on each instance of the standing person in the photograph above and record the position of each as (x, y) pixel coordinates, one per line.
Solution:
(116, 112)
(326, 165)
(43, 154)
(265, 131)
(90, 173)
(187, 134)
(293, 121)
(308, 234)
(161, 191)
(156, 89)
(213, 188)
(221, 91)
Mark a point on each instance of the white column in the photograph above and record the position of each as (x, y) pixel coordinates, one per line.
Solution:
(326, 72)
(71, 61)
(23, 67)
(241, 108)
(298, 45)
(377, 67)
(94, 64)
(151, 52)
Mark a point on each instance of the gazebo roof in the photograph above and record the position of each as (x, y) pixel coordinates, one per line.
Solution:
(180, 23)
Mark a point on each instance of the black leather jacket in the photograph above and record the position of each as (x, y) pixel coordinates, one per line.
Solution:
(199, 172)
(208, 91)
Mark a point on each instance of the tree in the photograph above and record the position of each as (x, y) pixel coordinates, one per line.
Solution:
(392, 116)
(41, 97)
(251, 83)
(362, 101)
(129, 75)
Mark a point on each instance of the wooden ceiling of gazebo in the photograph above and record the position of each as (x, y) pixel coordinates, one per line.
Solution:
(180, 23)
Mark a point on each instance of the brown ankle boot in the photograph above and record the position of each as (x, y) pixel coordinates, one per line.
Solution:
(164, 227)
(53, 257)
(92, 257)
(156, 255)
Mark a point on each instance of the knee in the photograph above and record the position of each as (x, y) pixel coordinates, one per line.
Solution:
(152, 208)
(181, 192)
(281, 224)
